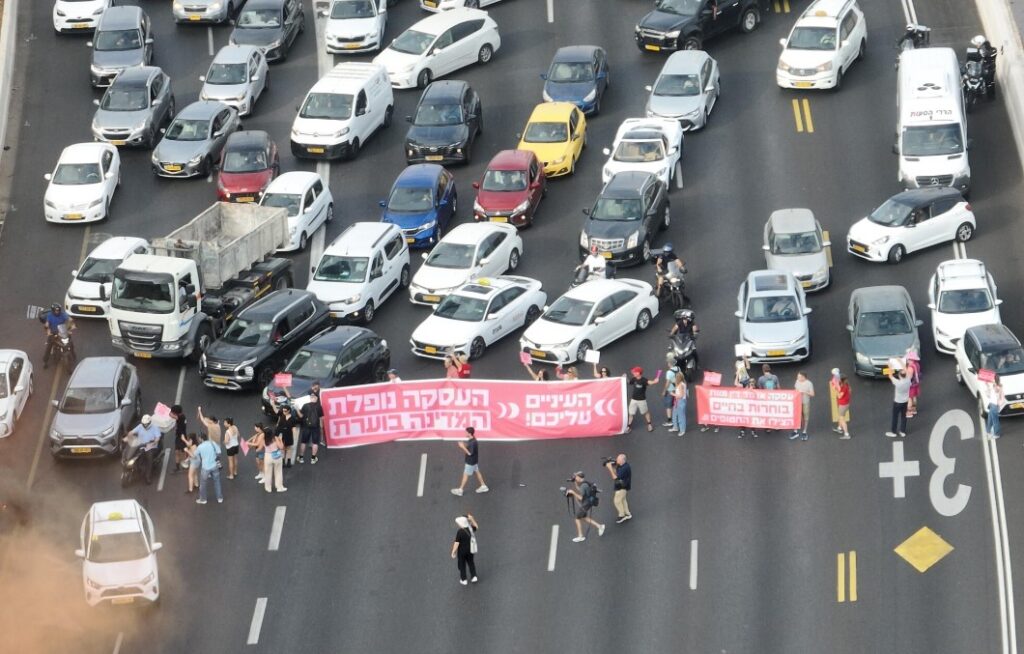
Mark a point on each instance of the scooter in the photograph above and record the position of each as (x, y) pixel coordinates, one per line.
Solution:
(683, 348)
(132, 461)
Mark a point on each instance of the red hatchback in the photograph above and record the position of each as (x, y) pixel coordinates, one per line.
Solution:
(511, 189)
(247, 165)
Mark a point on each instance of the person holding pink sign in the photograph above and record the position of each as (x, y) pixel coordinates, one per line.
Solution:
(992, 392)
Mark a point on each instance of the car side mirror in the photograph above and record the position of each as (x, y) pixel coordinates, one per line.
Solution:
(782, 42)
(484, 261)
(738, 314)
(911, 225)
(20, 388)
(918, 323)
(149, 41)
(321, 14)
(576, 136)
(88, 44)
(544, 76)
(74, 273)
(586, 212)
(970, 144)
(361, 111)
(648, 88)
(126, 401)
(849, 328)
(492, 316)
(408, 119)
(998, 302)
(598, 320)
(972, 370)
(534, 185)
(96, 101)
(546, 307)
(807, 310)
(80, 554)
(157, 546)
(606, 152)
(826, 244)
(765, 248)
(895, 147)
(231, 22)
(312, 270)
(109, 175)
(382, 203)
(424, 255)
(254, 78)
(442, 202)
(846, 43)
(931, 305)
(476, 185)
(155, 102)
(202, 78)
(55, 403)
(519, 136)
(47, 176)
(219, 133)
(163, 130)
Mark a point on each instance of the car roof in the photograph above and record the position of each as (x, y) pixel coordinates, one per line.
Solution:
(993, 337)
(234, 54)
(926, 194)
(250, 139)
(446, 89)
(115, 517)
(486, 286)
(7, 355)
(684, 61)
(962, 273)
(264, 4)
(418, 175)
(552, 112)
(437, 23)
(274, 303)
(95, 372)
(201, 109)
(116, 247)
(359, 237)
(472, 233)
(598, 289)
(511, 160)
(120, 17)
(83, 153)
(626, 184)
(880, 298)
(135, 75)
(770, 282)
(574, 53)
(822, 11)
(294, 181)
(792, 221)
(348, 76)
(336, 338)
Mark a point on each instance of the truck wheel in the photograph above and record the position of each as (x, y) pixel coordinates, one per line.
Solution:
(404, 279)
(204, 336)
(353, 152)
(282, 282)
(750, 19)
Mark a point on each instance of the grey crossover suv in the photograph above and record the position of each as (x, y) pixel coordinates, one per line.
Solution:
(100, 404)
(134, 108)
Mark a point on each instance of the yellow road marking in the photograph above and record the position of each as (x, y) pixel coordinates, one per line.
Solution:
(846, 579)
(778, 7)
(853, 576)
(85, 244)
(841, 577)
(923, 549)
(796, 115)
(807, 115)
(785, 6)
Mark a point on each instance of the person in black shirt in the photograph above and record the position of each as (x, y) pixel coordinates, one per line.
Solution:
(472, 463)
(622, 478)
(638, 396)
(286, 425)
(180, 438)
(464, 547)
(585, 493)
(312, 418)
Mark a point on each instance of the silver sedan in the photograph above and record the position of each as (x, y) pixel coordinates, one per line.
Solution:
(194, 140)
(686, 89)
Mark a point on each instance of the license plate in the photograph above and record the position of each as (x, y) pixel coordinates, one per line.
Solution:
(73, 216)
(118, 142)
(352, 46)
(122, 600)
(652, 48)
(143, 355)
(434, 157)
(312, 150)
(246, 198)
(430, 349)
(606, 255)
(858, 248)
(409, 239)
(219, 380)
(802, 85)
(805, 284)
(539, 354)
(80, 26)
(499, 219)
(776, 353)
(429, 3)
(431, 298)
(81, 450)
(172, 168)
(1017, 405)
(86, 309)
(194, 17)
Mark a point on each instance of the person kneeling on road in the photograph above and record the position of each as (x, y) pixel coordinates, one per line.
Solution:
(622, 479)
(585, 493)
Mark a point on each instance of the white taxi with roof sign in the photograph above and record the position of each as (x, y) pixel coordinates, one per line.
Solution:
(828, 37)
(118, 552)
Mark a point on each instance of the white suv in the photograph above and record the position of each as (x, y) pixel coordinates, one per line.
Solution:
(961, 294)
(118, 550)
(360, 269)
(827, 38)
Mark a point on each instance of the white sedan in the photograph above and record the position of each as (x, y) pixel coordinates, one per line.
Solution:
(78, 15)
(590, 316)
(83, 183)
(15, 388)
(687, 89)
(477, 315)
(308, 201)
(355, 26)
(83, 298)
(961, 294)
(469, 251)
(118, 551)
(651, 145)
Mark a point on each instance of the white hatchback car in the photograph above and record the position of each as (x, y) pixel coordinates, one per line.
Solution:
(590, 316)
(438, 45)
(83, 298)
(961, 294)
(355, 26)
(82, 185)
(15, 388)
(651, 145)
(237, 77)
(78, 15)
(467, 252)
(118, 551)
(827, 38)
(308, 201)
(998, 350)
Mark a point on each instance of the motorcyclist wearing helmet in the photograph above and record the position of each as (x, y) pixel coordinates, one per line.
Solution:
(984, 52)
(595, 264)
(55, 323)
(685, 323)
(667, 263)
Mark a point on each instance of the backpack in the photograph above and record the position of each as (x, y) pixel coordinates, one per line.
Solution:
(590, 497)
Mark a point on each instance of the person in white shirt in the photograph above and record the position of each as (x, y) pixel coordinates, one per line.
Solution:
(994, 401)
(393, 376)
(595, 264)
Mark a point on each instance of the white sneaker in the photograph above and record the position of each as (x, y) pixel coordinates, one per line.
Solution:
(483, 489)
(463, 582)
(282, 489)
(457, 491)
(890, 434)
(259, 477)
(579, 539)
(600, 530)
(474, 580)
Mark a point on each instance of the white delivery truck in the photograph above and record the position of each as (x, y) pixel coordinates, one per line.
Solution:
(931, 135)
(174, 302)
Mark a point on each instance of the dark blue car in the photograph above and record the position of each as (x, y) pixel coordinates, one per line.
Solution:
(578, 74)
(422, 203)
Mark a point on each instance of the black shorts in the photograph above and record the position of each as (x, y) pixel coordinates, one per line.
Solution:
(231, 451)
(582, 510)
(178, 444)
(309, 435)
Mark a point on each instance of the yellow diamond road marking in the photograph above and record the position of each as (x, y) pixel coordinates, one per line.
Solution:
(924, 549)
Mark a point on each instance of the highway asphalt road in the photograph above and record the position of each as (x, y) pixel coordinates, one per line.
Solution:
(736, 545)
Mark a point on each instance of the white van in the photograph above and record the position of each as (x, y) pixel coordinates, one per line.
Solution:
(931, 136)
(360, 269)
(342, 110)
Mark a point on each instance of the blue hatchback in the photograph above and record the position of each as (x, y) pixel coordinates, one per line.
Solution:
(578, 74)
(422, 203)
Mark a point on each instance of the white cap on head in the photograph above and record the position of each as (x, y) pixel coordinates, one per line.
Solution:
(462, 522)
(146, 419)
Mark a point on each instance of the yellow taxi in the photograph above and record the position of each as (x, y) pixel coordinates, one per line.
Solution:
(557, 134)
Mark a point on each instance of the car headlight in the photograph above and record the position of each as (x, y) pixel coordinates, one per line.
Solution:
(590, 96)
(636, 28)
(247, 362)
(407, 69)
(92, 584)
(109, 431)
(427, 225)
(355, 298)
(150, 577)
(477, 208)
(50, 204)
(196, 159)
(547, 98)
(153, 160)
(863, 358)
(584, 241)
(341, 132)
(56, 435)
(827, 66)
(521, 207)
(240, 96)
(95, 203)
(674, 34)
(97, 12)
(214, 7)
(59, 13)
(633, 239)
(938, 332)
(784, 67)
(821, 274)
(3, 416)
(178, 6)
(141, 126)
(202, 360)
(880, 241)
(558, 160)
(559, 346)
(273, 45)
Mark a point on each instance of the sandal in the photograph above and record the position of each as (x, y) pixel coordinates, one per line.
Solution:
(650, 427)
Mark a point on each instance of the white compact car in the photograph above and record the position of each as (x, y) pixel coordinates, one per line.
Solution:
(478, 314)
(467, 252)
(82, 185)
(308, 201)
(355, 26)
(430, 49)
(444, 5)
(237, 77)
(78, 15)
(15, 388)
(961, 294)
(590, 316)
(83, 298)
(772, 311)
(996, 349)
(687, 89)
(118, 551)
(650, 145)
(828, 37)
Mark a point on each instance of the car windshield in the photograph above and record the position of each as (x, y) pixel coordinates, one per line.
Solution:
(283, 200)
(460, 307)
(677, 85)
(352, 9)
(183, 129)
(341, 269)
(259, 18)
(111, 548)
(113, 40)
(546, 133)
(435, 115)
(125, 98)
(812, 38)
(1004, 362)
(892, 213)
(82, 400)
(795, 243)
(883, 323)
(932, 140)
(639, 151)
(311, 364)
(572, 71)
(142, 295)
(248, 332)
(327, 106)
(774, 308)
(970, 300)
(3, 386)
(75, 174)
(226, 74)
(504, 180)
(568, 311)
(617, 209)
(681, 7)
(451, 255)
(409, 199)
(98, 270)
(412, 42)
(245, 161)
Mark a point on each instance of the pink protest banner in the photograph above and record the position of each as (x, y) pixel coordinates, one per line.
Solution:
(986, 375)
(162, 410)
(244, 444)
(712, 378)
(742, 407)
(524, 358)
(497, 409)
(283, 379)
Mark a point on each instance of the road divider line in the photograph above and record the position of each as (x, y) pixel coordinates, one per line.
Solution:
(785, 6)
(796, 115)
(996, 534)
(553, 550)
(846, 576)
(693, 564)
(118, 642)
(841, 577)
(551, 11)
(276, 529)
(679, 174)
(423, 475)
(257, 621)
(1011, 614)
(85, 244)
(853, 576)
(828, 251)
(807, 116)
(43, 431)
(316, 246)
(181, 385)
(163, 471)
(209, 38)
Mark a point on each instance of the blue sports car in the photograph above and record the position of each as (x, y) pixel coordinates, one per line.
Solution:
(422, 203)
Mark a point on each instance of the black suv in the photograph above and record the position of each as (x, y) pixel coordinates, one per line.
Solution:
(631, 207)
(448, 119)
(261, 338)
(686, 24)
(338, 356)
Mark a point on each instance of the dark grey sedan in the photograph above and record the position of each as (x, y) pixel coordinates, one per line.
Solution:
(194, 140)
(102, 403)
(883, 325)
(134, 108)
(270, 25)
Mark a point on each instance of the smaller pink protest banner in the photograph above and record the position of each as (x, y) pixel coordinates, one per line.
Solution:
(712, 378)
(986, 375)
(747, 407)
(283, 379)
(162, 410)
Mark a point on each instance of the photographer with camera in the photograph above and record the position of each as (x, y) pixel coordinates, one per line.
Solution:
(622, 479)
(585, 493)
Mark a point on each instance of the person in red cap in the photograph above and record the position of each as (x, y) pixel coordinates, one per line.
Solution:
(638, 396)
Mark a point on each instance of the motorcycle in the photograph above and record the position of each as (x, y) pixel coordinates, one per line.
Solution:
(915, 36)
(674, 289)
(582, 274)
(979, 73)
(973, 82)
(132, 461)
(64, 351)
(683, 348)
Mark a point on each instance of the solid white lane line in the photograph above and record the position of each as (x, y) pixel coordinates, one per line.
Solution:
(85, 244)
(117, 643)
(257, 621)
(209, 38)
(316, 245)
(553, 552)
(1011, 617)
(551, 11)
(44, 432)
(423, 475)
(276, 529)
(181, 385)
(679, 175)
(693, 564)
(996, 533)
(163, 471)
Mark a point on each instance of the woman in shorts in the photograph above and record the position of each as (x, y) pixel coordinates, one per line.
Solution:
(256, 442)
(231, 446)
(193, 461)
